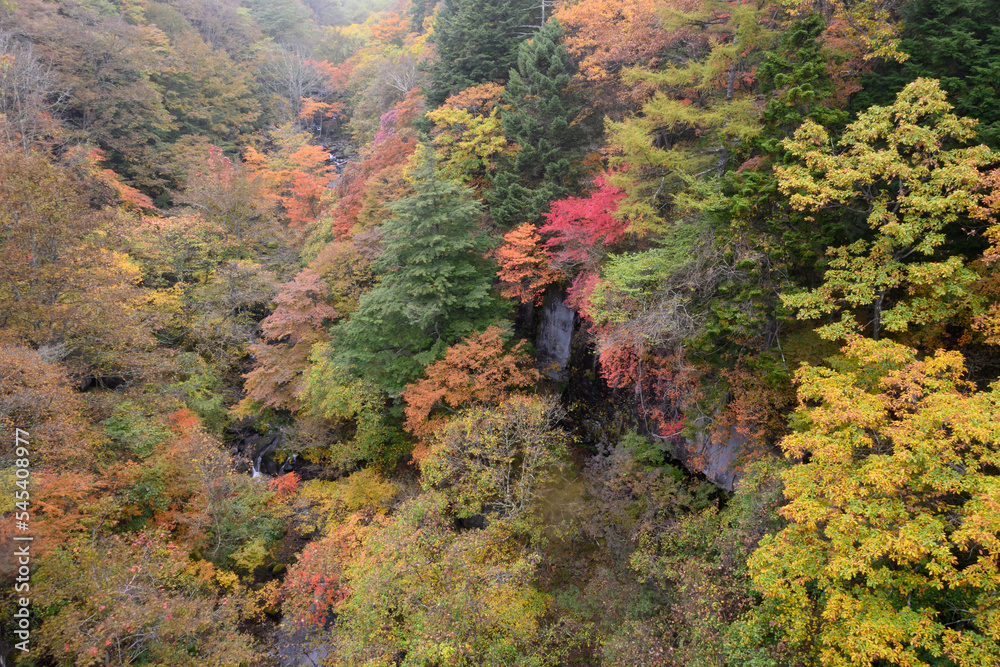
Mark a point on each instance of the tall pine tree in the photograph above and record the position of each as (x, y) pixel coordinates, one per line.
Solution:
(543, 117)
(435, 289)
(476, 42)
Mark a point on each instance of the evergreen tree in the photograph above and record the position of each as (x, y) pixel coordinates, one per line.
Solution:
(476, 42)
(956, 42)
(796, 77)
(435, 285)
(542, 116)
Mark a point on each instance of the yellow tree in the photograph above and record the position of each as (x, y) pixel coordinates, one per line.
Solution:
(419, 588)
(61, 286)
(468, 134)
(499, 460)
(890, 554)
(899, 168)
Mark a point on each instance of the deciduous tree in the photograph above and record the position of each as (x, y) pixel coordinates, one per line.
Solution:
(291, 331)
(469, 135)
(498, 459)
(901, 169)
(477, 371)
(29, 95)
(421, 588)
(59, 284)
(581, 227)
(890, 554)
(228, 194)
(525, 268)
(123, 599)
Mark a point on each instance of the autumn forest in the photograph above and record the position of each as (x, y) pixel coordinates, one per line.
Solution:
(455, 333)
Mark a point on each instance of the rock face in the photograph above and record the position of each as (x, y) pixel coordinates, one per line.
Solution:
(555, 334)
(719, 461)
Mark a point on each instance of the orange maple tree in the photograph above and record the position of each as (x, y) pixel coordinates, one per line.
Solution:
(297, 173)
(476, 371)
(525, 268)
(606, 37)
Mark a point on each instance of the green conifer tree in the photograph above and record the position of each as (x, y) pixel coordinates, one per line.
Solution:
(542, 117)
(435, 289)
(476, 42)
(796, 78)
